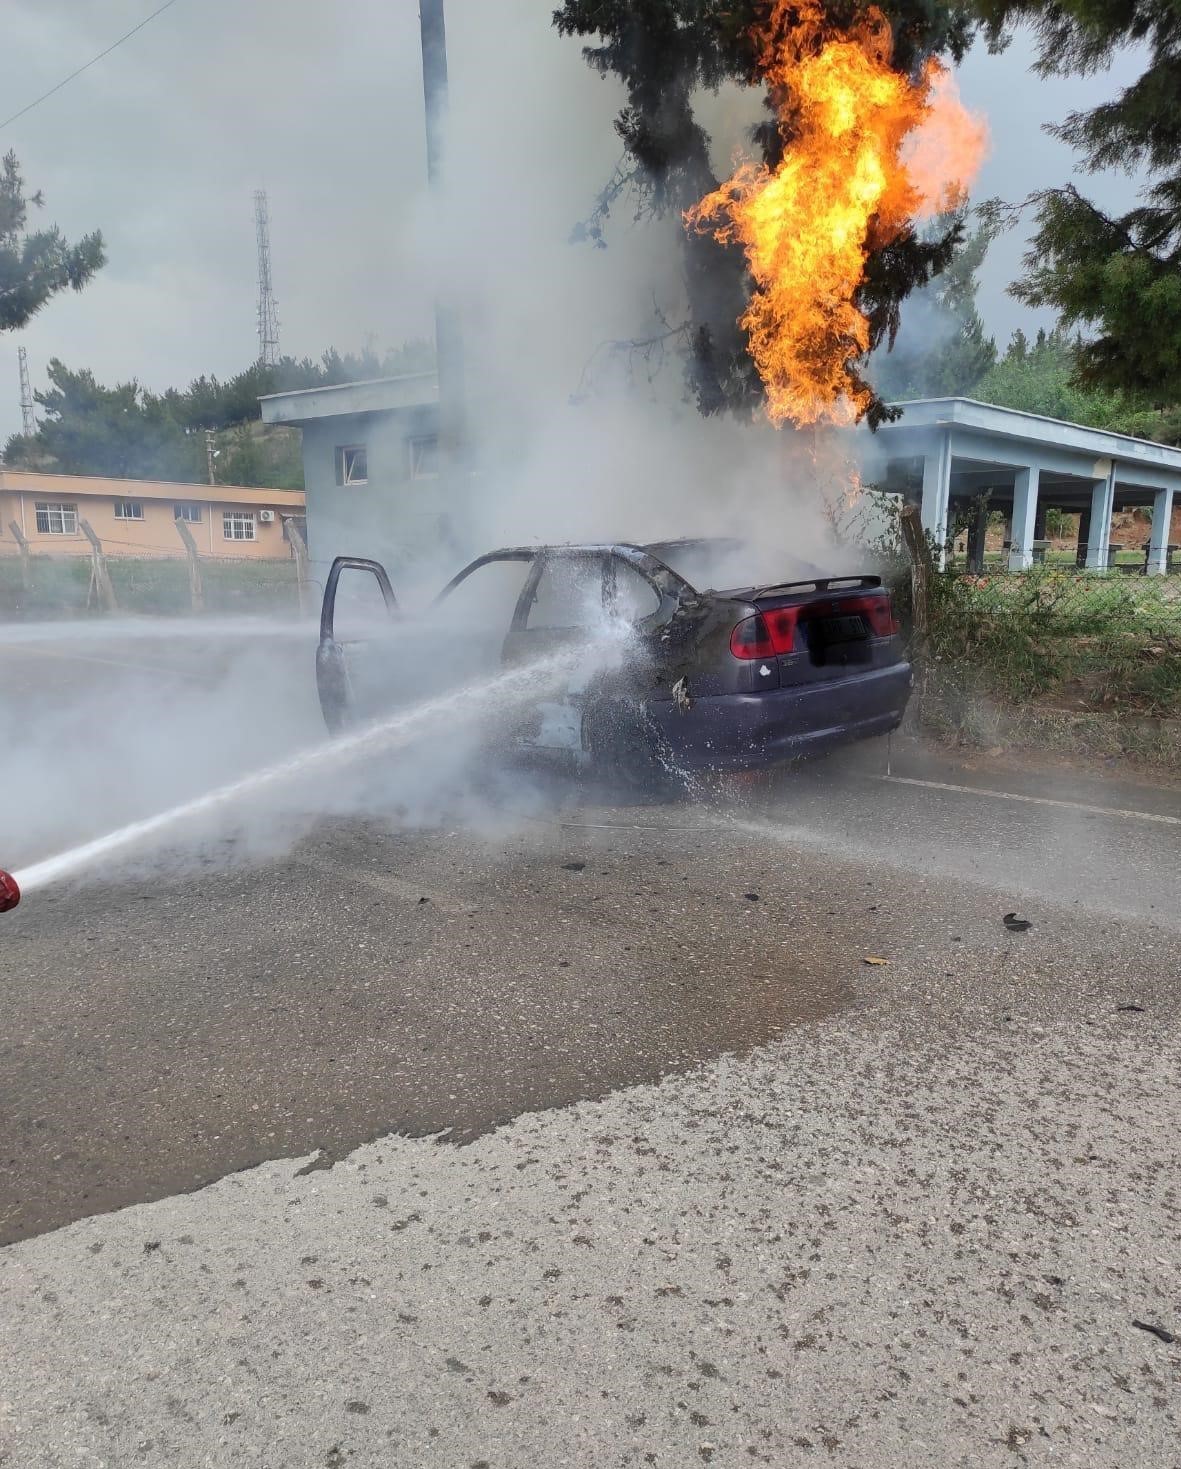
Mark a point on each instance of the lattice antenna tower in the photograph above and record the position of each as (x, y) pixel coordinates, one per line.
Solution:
(268, 315)
(28, 418)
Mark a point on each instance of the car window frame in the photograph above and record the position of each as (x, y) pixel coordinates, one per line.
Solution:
(487, 560)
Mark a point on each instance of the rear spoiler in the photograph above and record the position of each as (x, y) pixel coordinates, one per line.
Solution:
(819, 584)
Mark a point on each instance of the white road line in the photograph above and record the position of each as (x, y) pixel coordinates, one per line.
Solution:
(939, 785)
(626, 826)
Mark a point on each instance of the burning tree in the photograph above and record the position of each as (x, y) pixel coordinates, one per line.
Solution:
(795, 267)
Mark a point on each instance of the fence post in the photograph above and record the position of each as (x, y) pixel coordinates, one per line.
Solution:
(299, 548)
(196, 585)
(99, 572)
(23, 546)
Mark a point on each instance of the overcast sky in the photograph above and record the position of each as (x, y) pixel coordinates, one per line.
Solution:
(162, 143)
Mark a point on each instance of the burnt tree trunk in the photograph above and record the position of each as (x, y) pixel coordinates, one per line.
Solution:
(922, 575)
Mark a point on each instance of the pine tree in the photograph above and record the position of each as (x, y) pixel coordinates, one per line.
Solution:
(35, 265)
(1041, 377)
(664, 51)
(943, 349)
(1117, 276)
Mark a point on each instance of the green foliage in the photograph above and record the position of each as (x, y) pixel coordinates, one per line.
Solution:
(1060, 522)
(209, 403)
(35, 265)
(128, 432)
(665, 51)
(1117, 276)
(59, 586)
(257, 454)
(943, 349)
(1089, 641)
(121, 431)
(1039, 378)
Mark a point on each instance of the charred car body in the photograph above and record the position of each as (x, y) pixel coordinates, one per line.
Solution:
(706, 680)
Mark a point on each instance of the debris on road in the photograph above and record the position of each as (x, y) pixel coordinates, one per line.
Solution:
(573, 866)
(874, 959)
(1015, 924)
(1131, 1009)
(751, 897)
(1168, 1337)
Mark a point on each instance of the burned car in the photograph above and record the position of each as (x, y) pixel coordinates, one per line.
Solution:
(707, 679)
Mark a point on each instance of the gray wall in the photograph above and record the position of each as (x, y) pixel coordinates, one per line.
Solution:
(392, 518)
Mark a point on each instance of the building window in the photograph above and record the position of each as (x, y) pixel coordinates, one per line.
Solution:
(424, 456)
(237, 525)
(56, 520)
(189, 513)
(129, 510)
(352, 465)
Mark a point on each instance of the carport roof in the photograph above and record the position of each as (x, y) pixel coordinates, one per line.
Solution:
(1033, 428)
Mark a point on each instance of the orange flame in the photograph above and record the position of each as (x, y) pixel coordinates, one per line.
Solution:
(870, 152)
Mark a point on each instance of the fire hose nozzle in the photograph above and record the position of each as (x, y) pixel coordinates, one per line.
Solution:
(10, 893)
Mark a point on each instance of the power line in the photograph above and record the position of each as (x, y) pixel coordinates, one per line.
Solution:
(114, 44)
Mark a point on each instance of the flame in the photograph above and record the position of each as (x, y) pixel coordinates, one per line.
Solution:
(870, 151)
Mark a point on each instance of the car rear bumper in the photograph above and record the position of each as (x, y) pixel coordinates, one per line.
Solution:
(745, 731)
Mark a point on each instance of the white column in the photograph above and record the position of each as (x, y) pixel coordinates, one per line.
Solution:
(937, 496)
(1102, 505)
(1158, 541)
(1025, 488)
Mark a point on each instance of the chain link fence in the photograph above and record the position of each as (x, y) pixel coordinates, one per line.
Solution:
(1093, 641)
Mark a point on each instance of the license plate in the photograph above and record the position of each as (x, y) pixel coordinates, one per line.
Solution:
(841, 629)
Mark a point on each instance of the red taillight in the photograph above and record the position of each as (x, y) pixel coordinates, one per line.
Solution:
(774, 631)
(766, 634)
(876, 610)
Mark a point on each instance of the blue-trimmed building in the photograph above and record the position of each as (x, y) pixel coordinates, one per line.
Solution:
(951, 453)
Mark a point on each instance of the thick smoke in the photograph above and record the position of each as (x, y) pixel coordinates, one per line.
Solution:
(577, 437)
(573, 438)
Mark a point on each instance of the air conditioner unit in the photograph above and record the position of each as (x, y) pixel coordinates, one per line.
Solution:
(266, 517)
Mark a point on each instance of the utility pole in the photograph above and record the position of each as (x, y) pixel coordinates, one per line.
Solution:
(268, 313)
(448, 340)
(210, 453)
(28, 418)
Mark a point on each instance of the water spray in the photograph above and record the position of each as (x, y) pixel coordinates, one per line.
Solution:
(372, 738)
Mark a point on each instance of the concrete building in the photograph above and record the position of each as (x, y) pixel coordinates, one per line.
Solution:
(136, 517)
(954, 454)
(370, 467)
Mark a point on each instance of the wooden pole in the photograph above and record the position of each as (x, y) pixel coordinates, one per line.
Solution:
(922, 573)
(100, 576)
(23, 544)
(196, 585)
(299, 549)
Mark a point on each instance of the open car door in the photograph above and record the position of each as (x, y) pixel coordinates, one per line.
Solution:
(357, 617)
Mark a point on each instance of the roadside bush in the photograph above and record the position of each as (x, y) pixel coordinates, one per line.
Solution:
(1092, 642)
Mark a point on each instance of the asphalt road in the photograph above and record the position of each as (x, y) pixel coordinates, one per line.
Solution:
(610, 1146)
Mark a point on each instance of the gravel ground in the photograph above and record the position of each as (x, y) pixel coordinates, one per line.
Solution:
(714, 1190)
(876, 1242)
